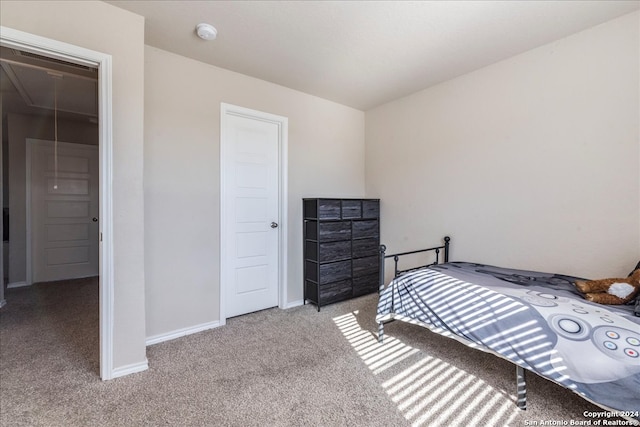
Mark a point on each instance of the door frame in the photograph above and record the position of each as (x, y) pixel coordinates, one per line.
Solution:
(30, 145)
(67, 52)
(283, 136)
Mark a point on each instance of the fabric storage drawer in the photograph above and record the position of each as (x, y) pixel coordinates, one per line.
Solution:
(334, 230)
(328, 209)
(351, 209)
(329, 272)
(330, 251)
(324, 209)
(365, 266)
(365, 284)
(365, 228)
(370, 209)
(335, 271)
(336, 291)
(365, 247)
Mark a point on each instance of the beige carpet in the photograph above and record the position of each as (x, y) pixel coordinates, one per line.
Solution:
(272, 368)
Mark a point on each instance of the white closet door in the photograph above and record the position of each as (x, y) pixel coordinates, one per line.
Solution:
(251, 203)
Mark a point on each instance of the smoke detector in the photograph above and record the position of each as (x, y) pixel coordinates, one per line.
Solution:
(206, 31)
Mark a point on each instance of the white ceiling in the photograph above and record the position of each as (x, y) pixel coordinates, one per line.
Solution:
(36, 85)
(364, 53)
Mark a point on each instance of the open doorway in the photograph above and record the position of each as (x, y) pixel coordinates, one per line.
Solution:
(51, 189)
(83, 118)
(50, 200)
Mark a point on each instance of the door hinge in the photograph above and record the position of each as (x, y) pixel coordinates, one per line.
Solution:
(101, 237)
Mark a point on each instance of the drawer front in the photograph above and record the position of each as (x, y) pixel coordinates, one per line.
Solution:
(332, 231)
(365, 284)
(365, 266)
(336, 291)
(365, 247)
(351, 209)
(370, 209)
(335, 251)
(365, 228)
(329, 209)
(335, 271)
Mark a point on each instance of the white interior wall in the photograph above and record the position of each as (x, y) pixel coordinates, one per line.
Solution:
(532, 162)
(182, 178)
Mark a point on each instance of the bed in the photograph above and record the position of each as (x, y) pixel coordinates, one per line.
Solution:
(538, 321)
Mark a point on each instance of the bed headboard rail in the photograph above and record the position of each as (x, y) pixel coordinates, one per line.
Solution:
(396, 257)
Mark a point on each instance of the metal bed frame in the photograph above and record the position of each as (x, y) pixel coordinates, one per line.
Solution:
(521, 386)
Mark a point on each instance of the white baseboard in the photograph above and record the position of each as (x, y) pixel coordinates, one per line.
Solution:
(294, 304)
(17, 285)
(178, 333)
(130, 369)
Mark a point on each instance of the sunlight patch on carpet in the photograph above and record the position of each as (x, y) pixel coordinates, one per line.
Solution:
(427, 390)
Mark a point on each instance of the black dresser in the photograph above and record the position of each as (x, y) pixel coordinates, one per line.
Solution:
(341, 240)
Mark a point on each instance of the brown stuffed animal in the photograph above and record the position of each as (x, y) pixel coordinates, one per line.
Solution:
(611, 291)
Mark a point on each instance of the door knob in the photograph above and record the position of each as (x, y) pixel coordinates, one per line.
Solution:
(274, 225)
(94, 219)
